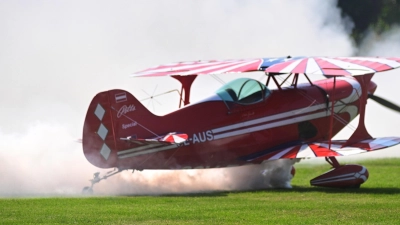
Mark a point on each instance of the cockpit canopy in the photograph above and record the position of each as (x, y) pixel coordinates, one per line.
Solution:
(243, 91)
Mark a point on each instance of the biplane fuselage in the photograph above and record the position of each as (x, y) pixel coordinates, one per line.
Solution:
(220, 133)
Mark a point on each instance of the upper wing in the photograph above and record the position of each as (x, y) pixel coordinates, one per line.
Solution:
(211, 67)
(335, 66)
(321, 149)
(332, 66)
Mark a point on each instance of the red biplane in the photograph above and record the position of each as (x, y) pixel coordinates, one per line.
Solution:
(245, 121)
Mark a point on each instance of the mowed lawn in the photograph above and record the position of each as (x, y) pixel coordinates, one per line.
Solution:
(376, 202)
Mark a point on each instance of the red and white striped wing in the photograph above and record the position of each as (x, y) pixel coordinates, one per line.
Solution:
(335, 66)
(203, 67)
(314, 150)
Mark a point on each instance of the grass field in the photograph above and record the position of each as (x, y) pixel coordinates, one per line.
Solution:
(376, 202)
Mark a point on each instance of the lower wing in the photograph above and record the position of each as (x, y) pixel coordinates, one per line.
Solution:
(324, 149)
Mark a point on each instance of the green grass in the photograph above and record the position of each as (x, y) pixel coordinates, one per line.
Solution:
(376, 202)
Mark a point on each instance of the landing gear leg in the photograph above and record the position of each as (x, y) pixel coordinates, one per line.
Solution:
(96, 179)
(333, 161)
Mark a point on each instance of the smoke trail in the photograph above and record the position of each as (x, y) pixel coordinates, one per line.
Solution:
(274, 174)
(47, 165)
(385, 44)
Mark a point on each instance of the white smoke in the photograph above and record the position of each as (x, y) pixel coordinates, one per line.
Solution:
(41, 160)
(273, 174)
(385, 44)
(55, 56)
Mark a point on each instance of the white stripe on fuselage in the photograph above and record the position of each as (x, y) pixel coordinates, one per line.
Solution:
(229, 133)
(152, 150)
(270, 118)
(141, 148)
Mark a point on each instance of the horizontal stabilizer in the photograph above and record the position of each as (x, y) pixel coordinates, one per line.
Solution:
(145, 141)
(170, 138)
(321, 149)
(152, 145)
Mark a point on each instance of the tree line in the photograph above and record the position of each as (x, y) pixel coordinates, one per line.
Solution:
(378, 15)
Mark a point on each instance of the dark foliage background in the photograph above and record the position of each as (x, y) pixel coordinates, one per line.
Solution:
(376, 15)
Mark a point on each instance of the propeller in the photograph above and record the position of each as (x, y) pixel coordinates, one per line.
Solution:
(384, 102)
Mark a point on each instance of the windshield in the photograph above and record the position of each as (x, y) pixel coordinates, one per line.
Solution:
(243, 91)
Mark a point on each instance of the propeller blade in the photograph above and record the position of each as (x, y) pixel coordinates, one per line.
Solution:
(384, 102)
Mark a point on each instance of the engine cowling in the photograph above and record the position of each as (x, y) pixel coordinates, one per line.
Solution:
(344, 176)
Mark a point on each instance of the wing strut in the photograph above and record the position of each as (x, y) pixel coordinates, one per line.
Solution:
(361, 132)
(332, 113)
(333, 161)
(274, 79)
(294, 81)
(186, 82)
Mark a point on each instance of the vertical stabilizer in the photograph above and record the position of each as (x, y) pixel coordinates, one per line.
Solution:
(113, 115)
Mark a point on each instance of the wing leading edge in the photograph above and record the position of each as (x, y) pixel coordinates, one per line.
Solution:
(335, 66)
(330, 66)
(212, 67)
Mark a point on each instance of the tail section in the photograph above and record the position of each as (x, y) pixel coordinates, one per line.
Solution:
(113, 115)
